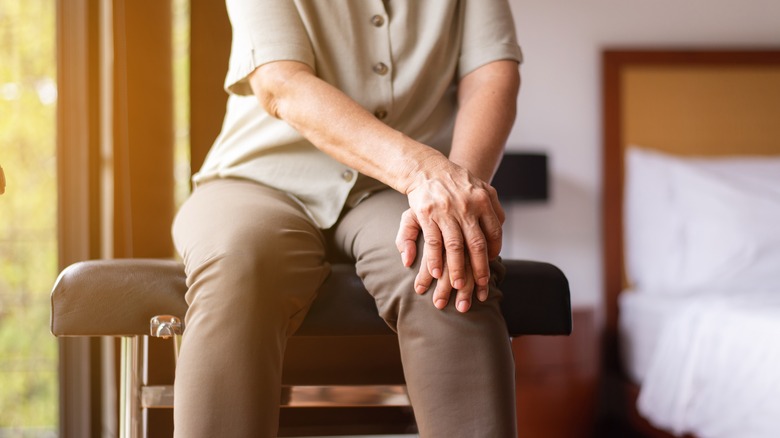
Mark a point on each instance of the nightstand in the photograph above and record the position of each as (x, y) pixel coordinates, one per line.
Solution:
(557, 380)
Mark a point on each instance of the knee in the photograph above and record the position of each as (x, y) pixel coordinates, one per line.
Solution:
(399, 305)
(258, 277)
(392, 287)
(250, 250)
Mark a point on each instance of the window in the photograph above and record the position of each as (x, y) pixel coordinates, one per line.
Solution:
(28, 235)
(181, 104)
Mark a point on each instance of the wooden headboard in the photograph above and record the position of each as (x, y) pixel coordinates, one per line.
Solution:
(687, 102)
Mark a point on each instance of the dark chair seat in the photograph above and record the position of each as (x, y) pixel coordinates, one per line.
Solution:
(119, 297)
(342, 343)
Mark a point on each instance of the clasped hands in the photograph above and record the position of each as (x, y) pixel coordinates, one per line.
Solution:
(460, 218)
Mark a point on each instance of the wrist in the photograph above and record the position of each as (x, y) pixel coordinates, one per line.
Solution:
(420, 167)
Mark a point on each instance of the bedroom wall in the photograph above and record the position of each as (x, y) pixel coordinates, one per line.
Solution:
(560, 107)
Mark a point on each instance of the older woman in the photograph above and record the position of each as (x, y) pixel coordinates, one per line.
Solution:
(355, 127)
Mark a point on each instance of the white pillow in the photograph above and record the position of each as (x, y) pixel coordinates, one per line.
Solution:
(702, 223)
(651, 231)
(730, 220)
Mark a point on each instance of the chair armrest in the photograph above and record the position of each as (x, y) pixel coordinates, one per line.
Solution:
(537, 300)
(116, 297)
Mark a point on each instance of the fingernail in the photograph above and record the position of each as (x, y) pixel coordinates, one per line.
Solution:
(458, 284)
(436, 273)
(403, 257)
(420, 289)
(440, 303)
(483, 281)
(482, 295)
(463, 306)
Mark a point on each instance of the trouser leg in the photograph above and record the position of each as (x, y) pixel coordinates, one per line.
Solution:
(254, 262)
(458, 367)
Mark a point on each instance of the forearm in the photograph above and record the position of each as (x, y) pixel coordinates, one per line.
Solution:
(339, 126)
(457, 212)
(487, 99)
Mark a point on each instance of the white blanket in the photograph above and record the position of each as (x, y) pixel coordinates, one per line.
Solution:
(715, 372)
(643, 316)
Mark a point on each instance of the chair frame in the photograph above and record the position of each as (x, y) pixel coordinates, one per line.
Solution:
(137, 396)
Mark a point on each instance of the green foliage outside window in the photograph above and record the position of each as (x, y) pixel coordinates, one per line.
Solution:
(28, 247)
(28, 229)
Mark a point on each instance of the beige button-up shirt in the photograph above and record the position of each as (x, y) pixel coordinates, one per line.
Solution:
(401, 60)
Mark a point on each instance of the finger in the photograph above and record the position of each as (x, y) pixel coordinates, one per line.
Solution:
(482, 292)
(442, 291)
(493, 234)
(406, 238)
(491, 224)
(477, 254)
(496, 204)
(454, 253)
(432, 248)
(424, 278)
(463, 297)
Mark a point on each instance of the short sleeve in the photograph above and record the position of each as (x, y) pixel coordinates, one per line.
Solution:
(488, 35)
(264, 31)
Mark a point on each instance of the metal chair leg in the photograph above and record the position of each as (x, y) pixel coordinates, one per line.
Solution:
(132, 419)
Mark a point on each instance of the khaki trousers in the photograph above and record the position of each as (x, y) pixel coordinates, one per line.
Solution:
(254, 261)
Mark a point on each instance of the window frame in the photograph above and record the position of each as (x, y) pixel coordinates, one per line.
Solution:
(115, 143)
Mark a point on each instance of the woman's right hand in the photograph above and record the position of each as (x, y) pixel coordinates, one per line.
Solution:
(460, 219)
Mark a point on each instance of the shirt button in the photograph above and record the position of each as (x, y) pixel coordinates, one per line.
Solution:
(380, 68)
(377, 20)
(380, 114)
(347, 175)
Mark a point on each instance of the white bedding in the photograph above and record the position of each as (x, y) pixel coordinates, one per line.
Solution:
(642, 316)
(701, 334)
(709, 366)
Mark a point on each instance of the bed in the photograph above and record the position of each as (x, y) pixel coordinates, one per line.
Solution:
(691, 233)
